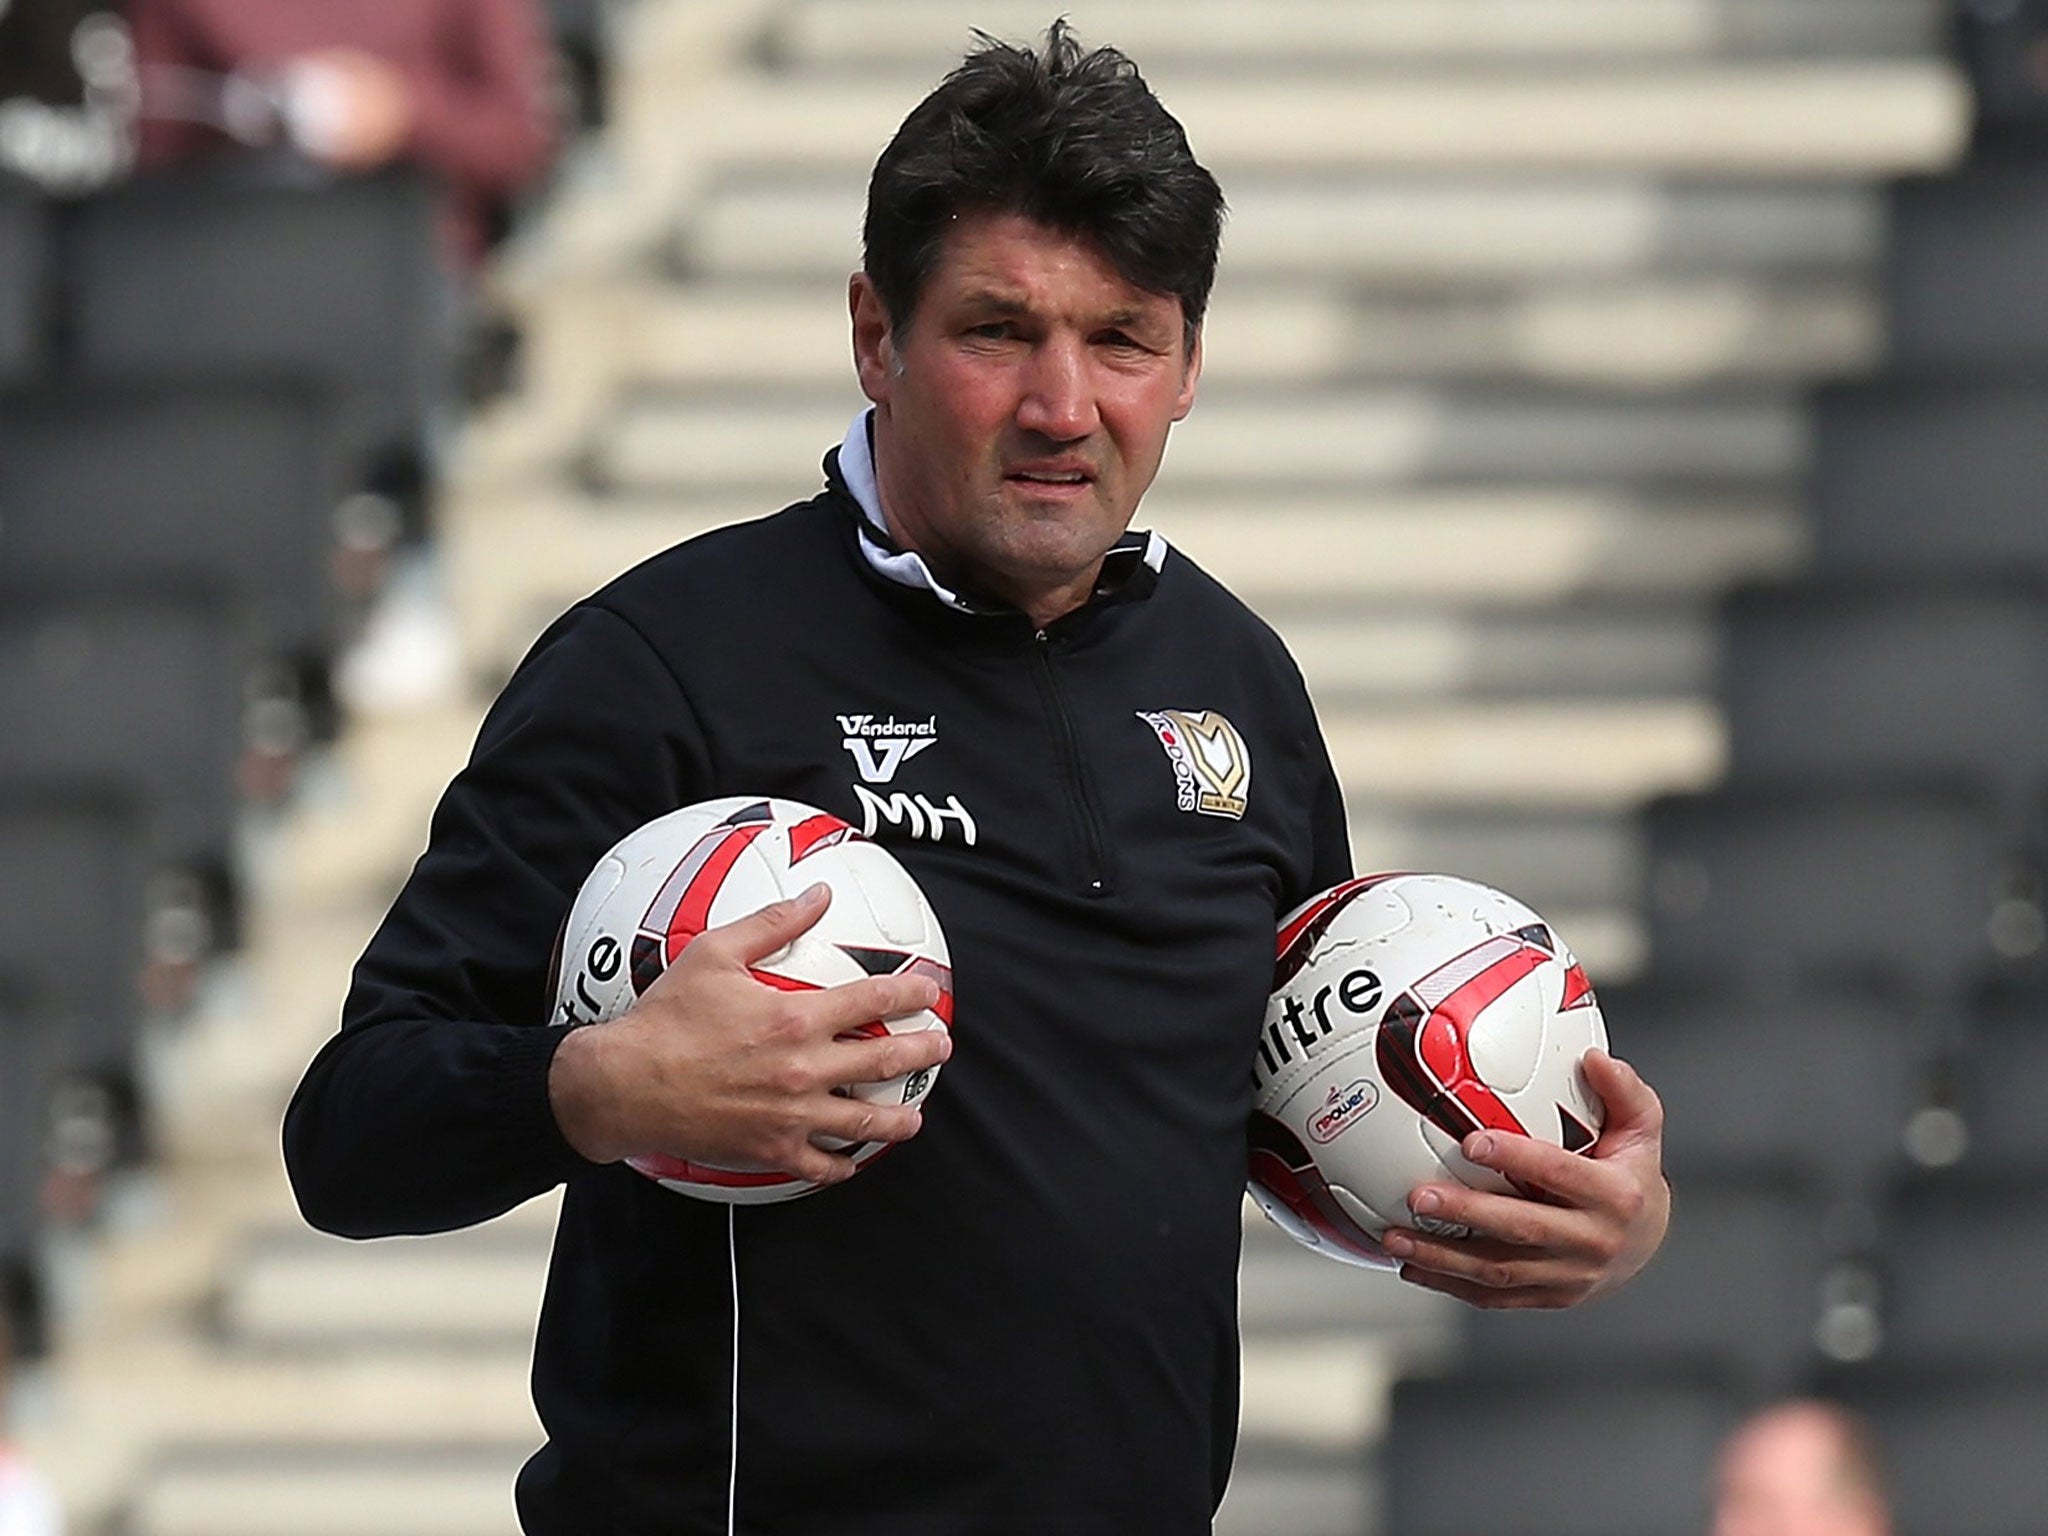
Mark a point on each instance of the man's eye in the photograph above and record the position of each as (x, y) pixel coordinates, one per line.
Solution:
(993, 330)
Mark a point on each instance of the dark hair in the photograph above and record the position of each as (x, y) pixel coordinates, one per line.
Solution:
(1075, 141)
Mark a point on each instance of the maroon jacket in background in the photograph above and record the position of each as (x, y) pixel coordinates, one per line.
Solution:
(478, 71)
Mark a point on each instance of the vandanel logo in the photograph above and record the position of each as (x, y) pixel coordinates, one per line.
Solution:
(1212, 767)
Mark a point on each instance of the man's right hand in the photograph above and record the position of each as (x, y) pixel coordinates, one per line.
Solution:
(715, 1067)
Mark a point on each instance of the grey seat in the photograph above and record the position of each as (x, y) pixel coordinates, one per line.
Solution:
(1761, 889)
(29, 1058)
(1963, 1452)
(1735, 1291)
(137, 688)
(74, 868)
(24, 279)
(1566, 1452)
(185, 481)
(1963, 270)
(1823, 1083)
(1920, 479)
(1966, 1260)
(2002, 1071)
(1912, 682)
(244, 267)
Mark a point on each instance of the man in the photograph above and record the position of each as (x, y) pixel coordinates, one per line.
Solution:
(1024, 1318)
(1801, 1469)
(458, 87)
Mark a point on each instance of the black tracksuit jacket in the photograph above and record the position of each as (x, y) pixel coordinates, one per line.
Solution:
(1025, 1319)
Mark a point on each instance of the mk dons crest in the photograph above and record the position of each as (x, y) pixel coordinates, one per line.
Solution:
(1212, 767)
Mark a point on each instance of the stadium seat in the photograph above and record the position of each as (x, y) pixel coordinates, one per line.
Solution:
(1925, 480)
(29, 1050)
(2003, 1069)
(1914, 682)
(1964, 270)
(1962, 1451)
(186, 480)
(1735, 1291)
(1963, 1252)
(1761, 889)
(1564, 1451)
(236, 271)
(1821, 1083)
(24, 274)
(73, 875)
(140, 688)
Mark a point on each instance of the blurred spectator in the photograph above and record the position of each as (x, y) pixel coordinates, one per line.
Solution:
(1801, 1469)
(67, 93)
(27, 1506)
(459, 87)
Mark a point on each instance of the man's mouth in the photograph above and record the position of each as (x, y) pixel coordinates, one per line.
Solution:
(1051, 476)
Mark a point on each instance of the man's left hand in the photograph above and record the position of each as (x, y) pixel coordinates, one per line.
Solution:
(1587, 1224)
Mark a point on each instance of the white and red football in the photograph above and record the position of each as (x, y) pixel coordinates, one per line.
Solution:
(1408, 1011)
(709, 864)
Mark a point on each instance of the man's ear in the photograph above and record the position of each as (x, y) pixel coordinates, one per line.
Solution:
(874, 344)
(1191, 373)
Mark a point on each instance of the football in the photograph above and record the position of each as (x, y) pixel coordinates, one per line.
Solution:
(706, 865)
(1408, 1011)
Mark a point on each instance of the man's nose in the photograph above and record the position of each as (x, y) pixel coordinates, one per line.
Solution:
(1058, 400)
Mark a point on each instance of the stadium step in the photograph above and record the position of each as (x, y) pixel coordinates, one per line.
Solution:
(695, 443)
(1301, 1490)
(292, 1288)
(1426, 232)
(1562, 754)
(1357, 34)
(399, 1488)
(1628, 335)
(517, 557)
(1806, 120)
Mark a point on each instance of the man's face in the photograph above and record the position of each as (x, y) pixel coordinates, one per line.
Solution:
(1023, 411)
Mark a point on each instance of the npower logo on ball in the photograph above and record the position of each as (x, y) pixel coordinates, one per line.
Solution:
(1344, 1108)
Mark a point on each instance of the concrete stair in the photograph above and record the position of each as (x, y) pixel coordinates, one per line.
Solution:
(930, 34)
(739, 332)
(1774, 119)
(1412, 231)
(691, 444)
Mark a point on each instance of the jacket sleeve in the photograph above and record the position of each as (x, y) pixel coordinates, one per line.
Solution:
(1328, 826)
(429, 1109)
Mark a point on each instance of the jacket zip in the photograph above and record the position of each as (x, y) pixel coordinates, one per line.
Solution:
(1095, 879)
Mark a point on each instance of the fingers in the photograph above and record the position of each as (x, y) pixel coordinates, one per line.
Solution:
(1633, 1108)
(1543, 1166)
(854, 1122)
(886, 1057)
(1493, 1272)
(760, 934)
(1492, 1299)
(854, 1003)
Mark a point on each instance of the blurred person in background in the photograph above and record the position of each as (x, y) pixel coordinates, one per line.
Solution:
(27, 1506)
(67, 93)
(1801, 1469)
(459, 88)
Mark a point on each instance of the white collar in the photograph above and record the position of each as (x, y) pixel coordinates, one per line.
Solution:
(906, 567)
